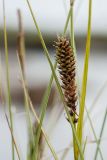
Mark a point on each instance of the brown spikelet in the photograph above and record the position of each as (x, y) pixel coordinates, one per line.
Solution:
(66, 64)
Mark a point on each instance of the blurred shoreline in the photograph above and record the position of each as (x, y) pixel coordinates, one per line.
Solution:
(98, 42)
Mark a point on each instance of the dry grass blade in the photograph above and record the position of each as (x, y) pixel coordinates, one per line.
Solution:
(21, 56)
(13, 137)
(21, 42)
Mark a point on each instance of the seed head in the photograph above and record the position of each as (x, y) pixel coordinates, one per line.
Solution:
(67, 69)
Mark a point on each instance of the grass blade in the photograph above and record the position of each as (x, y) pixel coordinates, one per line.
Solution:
(7, 75)
(94, 133)
(84, 147)
(35, 115)
(21, 41)
(43, 111)
(101, 90)
(85, 143)
(47, 92)
(101, 133)
(1, 88)
(74, 50)
(13, 139)
(21, 58)
(67, 21)
(85, 74)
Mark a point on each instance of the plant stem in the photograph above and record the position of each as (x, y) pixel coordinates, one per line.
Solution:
(7, 77)
(74, 51)
(67, 21)
(85, 75)
(13, 139)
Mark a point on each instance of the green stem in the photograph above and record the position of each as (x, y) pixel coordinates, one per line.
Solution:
(7, 77)
(67, 21)
(74, 50)
(85, 75)
(72, 28)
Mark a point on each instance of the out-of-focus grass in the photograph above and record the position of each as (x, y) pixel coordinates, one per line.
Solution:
(13, 139)
(94, 133)
(34, 112)
(101, 133)
(8, 76)
(21, 55)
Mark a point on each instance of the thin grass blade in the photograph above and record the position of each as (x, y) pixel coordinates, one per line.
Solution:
(21, 58)
(43, 111)
(90, 121)
(35, 114)
(85, 74)
(13, 139)
(101, 133)
(7, 75)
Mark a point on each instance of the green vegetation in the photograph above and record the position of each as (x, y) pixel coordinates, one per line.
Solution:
(38, 137)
